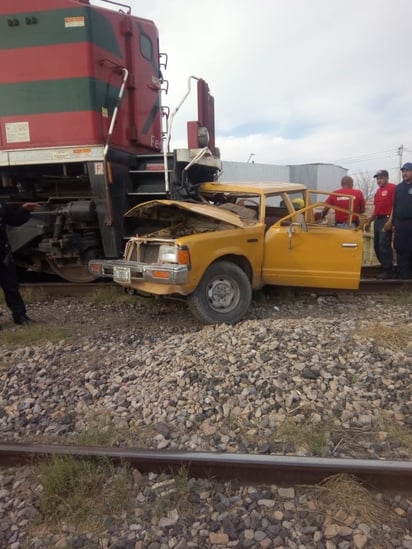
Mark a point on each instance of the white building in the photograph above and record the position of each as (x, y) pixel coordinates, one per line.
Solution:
(325, 177)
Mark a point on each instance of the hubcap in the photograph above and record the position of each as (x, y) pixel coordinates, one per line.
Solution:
(223, 294)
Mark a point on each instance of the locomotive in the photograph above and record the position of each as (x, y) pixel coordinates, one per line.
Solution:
(83, 131)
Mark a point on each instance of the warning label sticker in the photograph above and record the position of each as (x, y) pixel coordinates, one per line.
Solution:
(70, 22)
(17, 132)
(98, 168)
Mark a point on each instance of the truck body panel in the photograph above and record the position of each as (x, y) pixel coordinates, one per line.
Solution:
(261, 236)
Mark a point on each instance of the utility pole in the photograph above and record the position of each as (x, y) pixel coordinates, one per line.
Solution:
(400, 153)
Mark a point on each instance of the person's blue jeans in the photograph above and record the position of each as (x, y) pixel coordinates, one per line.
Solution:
(403, 246)
(382, 243)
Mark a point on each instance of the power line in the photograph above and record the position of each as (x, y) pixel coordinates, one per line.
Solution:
(363, 172)
(369, 156)
(377, 153)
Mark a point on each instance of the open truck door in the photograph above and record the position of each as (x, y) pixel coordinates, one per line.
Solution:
(298, 253)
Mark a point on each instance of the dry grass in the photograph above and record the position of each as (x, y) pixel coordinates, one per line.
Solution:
(83, 491)
(33, 334)
(345, 493)
(100, 428)
(394, 431)
(29, 295)
(290, 436)
(401, 297)
(312, 437)
(109, 295)
(34, 295)
(115, 294)
(392, 337)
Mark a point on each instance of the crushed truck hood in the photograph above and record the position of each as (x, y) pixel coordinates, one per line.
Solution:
(154, 208)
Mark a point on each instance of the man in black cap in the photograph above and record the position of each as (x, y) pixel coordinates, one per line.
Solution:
(402, 222)
(8, 274)
(382, 237)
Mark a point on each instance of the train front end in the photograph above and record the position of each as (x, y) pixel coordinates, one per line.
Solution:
(79, 99)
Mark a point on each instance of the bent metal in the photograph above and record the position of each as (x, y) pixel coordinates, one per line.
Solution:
(234, 239)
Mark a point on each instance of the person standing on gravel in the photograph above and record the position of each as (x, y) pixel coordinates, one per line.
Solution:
(382, 238)
(8, 274)
(401, 220)
(359, 203)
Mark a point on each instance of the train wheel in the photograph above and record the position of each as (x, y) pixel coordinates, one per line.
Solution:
(72, 273)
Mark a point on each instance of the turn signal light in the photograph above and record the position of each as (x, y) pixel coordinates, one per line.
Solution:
(160, 274)
(183, 256)
(95, 268)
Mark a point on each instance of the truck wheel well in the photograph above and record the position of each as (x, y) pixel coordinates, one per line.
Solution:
(239, 260)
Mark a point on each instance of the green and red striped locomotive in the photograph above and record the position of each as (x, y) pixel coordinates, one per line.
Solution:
(82, 129)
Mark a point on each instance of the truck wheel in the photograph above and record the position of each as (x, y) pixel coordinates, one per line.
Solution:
(223, 295)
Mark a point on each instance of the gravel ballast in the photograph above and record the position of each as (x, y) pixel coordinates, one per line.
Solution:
(313, 376)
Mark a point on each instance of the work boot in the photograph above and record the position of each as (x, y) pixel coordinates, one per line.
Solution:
(22, 320)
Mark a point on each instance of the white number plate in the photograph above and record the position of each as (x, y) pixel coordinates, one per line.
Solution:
(121, 273)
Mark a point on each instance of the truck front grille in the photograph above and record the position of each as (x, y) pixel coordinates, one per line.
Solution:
(149, 253)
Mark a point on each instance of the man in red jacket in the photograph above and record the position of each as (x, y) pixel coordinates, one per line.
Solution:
(359, 203)
(382, 236)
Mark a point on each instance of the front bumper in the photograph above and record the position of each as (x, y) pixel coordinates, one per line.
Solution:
(129, 272)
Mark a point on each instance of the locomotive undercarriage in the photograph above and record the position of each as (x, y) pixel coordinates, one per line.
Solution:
(63, 233)
(82, 205)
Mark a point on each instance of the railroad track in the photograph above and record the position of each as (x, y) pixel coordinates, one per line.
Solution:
(282, 470)
(368, 284)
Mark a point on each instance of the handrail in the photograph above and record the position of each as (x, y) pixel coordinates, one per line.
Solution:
(169, 131)
(116, 109)
(199, 155)
(109, 216)
(129, 9)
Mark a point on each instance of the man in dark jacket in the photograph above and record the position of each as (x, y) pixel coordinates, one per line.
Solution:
(402, 222)
(8, 274)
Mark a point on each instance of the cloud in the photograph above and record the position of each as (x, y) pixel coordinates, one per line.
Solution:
(294, 81)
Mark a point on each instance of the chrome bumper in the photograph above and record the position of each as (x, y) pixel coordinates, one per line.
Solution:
(127, 272)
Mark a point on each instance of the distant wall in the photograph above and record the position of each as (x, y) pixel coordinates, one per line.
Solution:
(244, 171)
(325, 177)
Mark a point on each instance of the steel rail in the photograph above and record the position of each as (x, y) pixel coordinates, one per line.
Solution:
(71, 289)
(281, 470)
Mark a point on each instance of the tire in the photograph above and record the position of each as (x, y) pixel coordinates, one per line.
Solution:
(223, 295)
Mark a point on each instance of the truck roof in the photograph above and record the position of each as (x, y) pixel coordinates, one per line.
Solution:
(258, 187)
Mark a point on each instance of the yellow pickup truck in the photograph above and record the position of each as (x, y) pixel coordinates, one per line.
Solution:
(235, 239)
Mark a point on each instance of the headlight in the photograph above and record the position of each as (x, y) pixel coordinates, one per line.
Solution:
(167, 254)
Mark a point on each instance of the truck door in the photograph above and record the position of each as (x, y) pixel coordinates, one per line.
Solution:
(297, 254)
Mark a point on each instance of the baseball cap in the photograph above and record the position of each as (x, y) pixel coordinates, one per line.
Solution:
(407, 166)
(381, 173)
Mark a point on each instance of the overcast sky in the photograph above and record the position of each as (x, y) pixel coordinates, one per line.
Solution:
(294, 81)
